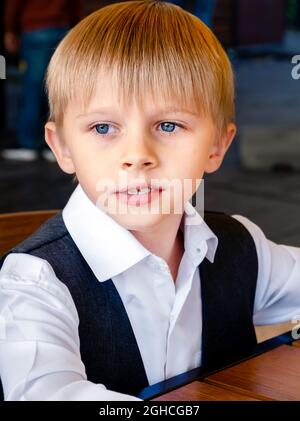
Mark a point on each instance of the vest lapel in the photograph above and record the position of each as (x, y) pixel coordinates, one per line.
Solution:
(228, 289)
(126, 361)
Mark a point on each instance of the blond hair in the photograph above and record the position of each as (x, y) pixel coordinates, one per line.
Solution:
(149, 46)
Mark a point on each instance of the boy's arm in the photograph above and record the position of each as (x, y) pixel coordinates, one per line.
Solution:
(277, 297)
(39, 341)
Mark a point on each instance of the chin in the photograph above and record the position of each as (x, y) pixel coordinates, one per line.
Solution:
(139, 222)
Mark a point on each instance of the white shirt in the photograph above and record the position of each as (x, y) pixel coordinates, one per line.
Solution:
(39, 341)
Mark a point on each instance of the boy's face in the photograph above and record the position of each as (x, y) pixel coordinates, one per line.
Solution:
(111, 146)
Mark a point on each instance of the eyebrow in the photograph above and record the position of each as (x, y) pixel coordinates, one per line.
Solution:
(107, 110)
(176, 110)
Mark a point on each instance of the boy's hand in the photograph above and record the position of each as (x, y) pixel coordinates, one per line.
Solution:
(11, 42)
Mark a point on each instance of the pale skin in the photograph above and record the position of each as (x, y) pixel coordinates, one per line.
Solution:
(137, 142)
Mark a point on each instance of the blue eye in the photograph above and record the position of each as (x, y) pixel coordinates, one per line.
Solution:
(169, 127)
(102, 128)
(105, 129)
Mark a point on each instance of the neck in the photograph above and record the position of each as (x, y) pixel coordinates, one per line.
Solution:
(165, 241)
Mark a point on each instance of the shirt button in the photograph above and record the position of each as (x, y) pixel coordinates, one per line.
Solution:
(198, 250)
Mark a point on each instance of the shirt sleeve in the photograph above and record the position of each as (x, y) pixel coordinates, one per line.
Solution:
(277, 297)
(39, 340)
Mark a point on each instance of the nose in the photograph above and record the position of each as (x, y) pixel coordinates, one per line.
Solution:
(138, 155)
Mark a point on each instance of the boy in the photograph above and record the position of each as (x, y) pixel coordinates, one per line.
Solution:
(128, 286)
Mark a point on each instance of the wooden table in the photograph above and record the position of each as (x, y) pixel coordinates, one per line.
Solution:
(270, 373)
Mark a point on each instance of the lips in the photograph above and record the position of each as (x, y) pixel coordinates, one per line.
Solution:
(138, 199)
(137, 193)
(140, 186)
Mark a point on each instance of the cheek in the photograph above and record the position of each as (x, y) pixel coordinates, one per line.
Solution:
(196, 148)
(99, 178)
(88, 158)
(192, 164)
(199, 159)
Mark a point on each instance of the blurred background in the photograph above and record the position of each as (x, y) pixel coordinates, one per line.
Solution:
(260, 177)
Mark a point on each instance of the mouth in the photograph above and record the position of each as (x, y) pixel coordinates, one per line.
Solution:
(139, 195)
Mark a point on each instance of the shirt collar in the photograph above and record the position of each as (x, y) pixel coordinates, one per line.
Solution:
(100, 238)
(199, 240)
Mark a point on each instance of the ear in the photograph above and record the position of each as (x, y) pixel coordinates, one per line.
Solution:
(220, 148)
(57, 144)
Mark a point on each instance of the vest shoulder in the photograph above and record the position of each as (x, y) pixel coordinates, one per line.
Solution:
(51, 230)
(222, 221)
(233, 236)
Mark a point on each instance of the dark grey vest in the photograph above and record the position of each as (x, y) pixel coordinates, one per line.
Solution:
(108, 346)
